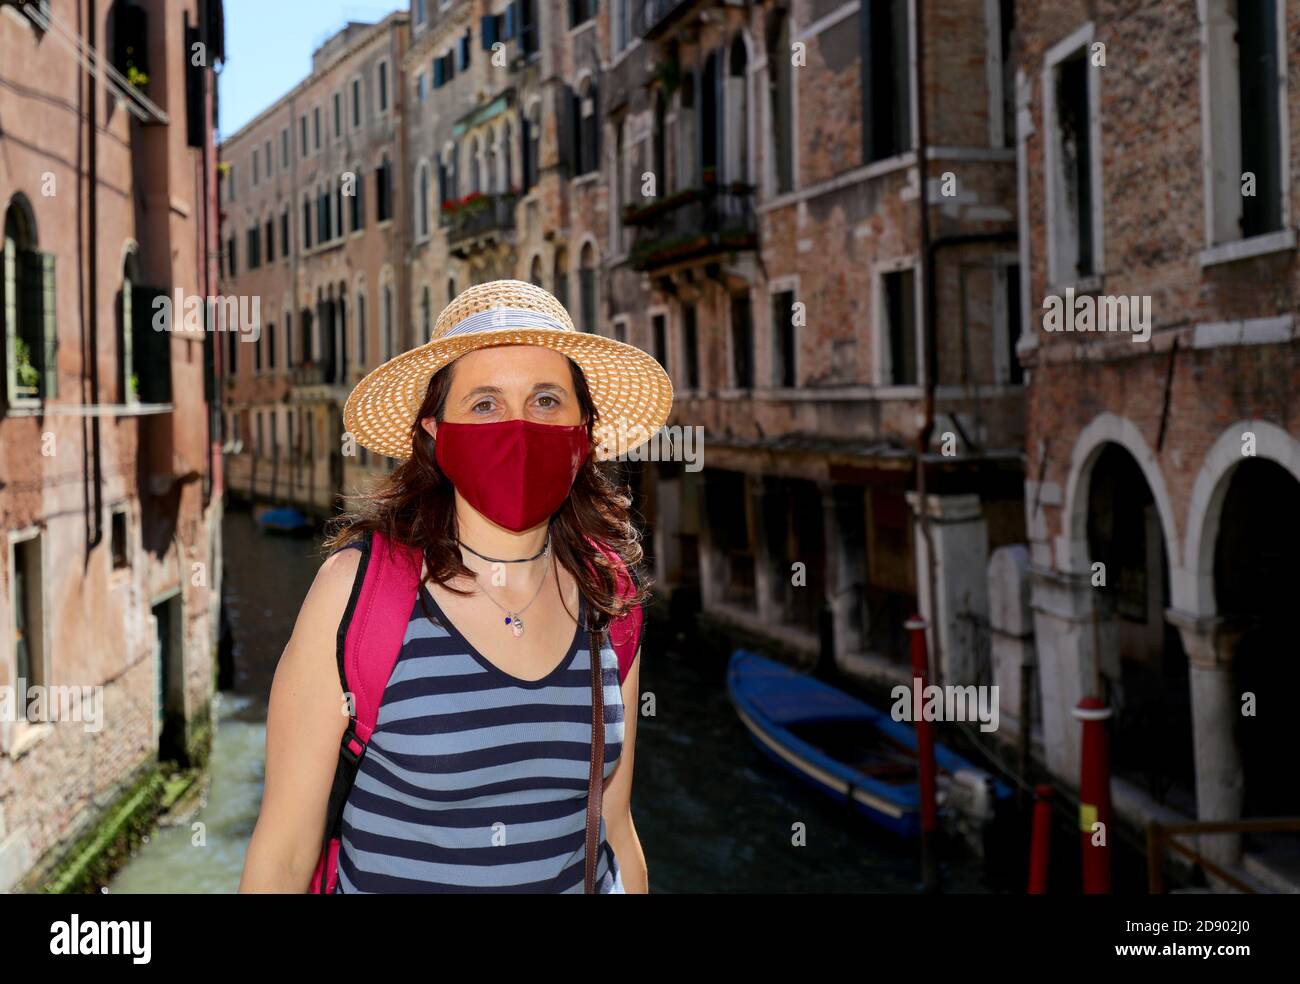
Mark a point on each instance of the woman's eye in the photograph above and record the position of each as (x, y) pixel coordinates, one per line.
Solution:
(548, 402)
(482, 406)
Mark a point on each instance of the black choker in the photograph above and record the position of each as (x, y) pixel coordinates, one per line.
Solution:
(496, 560)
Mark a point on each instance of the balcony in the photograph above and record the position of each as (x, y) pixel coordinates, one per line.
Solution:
(692, 225)
(478, 222)
(654, 17)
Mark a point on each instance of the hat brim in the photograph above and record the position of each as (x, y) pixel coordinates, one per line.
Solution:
(632, 393)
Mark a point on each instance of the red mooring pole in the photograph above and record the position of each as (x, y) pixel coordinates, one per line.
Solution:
(1094, 796)
(1040, 841)
(925, 755)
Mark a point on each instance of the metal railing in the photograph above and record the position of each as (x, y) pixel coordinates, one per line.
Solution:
(693, 224)
(1161, 836)
(479, 216)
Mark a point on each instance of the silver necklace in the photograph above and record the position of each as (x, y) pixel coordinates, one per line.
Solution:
(513, 620)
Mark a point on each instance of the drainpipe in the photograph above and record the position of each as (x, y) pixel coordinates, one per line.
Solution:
(92, 267)
(929, 252)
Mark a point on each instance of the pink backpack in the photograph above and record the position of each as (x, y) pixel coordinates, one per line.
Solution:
(369, 639)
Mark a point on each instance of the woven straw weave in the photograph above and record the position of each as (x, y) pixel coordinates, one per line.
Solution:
(632, 393)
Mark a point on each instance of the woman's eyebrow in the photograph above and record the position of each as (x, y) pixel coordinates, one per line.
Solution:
(480, 391)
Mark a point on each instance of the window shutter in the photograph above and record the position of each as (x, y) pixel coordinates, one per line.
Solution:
(126, 332)
(152, 349)
(567, 127)
(437, 73)
(11, 320)
(487, 29)
(509, 21)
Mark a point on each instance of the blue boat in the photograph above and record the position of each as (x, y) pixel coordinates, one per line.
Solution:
(851, 751)
(284, 519)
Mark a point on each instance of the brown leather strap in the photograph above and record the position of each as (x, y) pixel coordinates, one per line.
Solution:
(596, 777)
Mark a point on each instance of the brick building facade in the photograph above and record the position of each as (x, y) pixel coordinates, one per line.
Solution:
(315, 226)
(1156, 165)
(110, 494)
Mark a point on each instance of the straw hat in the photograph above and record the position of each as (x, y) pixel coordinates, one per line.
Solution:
(630, 389)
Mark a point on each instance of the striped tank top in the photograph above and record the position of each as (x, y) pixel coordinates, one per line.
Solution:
(476, 780)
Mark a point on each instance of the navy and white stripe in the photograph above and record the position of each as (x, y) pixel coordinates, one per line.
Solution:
(497, 318)
(476, 780)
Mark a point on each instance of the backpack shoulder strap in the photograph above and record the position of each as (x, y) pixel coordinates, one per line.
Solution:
(369, 639)
(376, 630)
(625, 630)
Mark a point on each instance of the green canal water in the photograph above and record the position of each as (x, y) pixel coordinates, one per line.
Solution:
(712, 814)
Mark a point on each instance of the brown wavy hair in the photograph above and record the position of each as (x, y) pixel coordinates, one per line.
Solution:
(415, 505)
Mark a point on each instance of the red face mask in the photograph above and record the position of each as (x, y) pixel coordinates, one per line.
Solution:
(517, 473)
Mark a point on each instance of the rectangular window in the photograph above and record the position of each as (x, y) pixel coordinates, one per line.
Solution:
(1071, 244)
(439, 73)
(255, 167)
(529, 27)
(356, 103)
(270, 161)
(27, 602)
(885, 79)
(783, 340)
(117, 540)
(338, 115)
(284, 233)
(464, 51)
(1247, 79)
(270, 240)
(420, 12)
(742, 342)
(315, 128)
(302, 135)
(898, 309)
(581, 11)
(1011, 306)
(383, 87)
(659, 339)
(691, 346)
(419, 88)
(284, 148)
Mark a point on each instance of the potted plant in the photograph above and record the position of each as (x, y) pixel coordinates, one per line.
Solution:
(29, 377)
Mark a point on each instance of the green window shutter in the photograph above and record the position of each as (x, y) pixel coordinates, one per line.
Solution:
(11, 319)
(126, 331)
(49, 328)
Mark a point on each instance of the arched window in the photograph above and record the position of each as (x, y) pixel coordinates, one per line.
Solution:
(507, 158)
(780, 147)
(531, 139)
(535, 272)
(27, 301)
(561, 276)
(361, 330)
(490, 166)
(736, 113)
(587, 289)
(586, 117)
(474, 185)
(451, 289)
(128, 383)
(388, 321)
(422, 201)
(357, 218)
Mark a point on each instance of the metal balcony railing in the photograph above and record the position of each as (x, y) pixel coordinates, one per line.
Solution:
(653, 16)
(690, 225)
(478, 217)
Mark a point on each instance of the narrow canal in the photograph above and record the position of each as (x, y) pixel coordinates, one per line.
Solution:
(712, 814)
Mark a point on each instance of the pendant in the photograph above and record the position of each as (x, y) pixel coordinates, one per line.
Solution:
(516, 624)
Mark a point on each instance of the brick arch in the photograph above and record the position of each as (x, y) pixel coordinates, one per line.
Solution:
(1108, 428)
(1205, 508)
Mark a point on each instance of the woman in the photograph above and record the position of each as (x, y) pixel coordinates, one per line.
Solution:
(475, 778)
